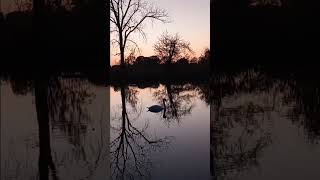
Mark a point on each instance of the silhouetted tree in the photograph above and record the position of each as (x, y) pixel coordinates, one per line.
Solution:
(127, 17)
(194, 60)
(131, 57)
(205, 56)
(171, 47)
(182, 61)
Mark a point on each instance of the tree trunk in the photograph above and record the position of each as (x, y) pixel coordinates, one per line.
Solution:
(122, 61)
(45, 158)
(122, 47)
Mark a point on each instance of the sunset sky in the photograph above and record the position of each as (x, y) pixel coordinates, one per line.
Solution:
(189, 18)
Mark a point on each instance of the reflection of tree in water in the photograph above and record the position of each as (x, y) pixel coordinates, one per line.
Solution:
(20, 85)
(238, 137)
(67, 100)
(130, 97)
(179, 101)
(306, 111)
(239, 132)
(45, 153)
(132, 147)
(61, 104)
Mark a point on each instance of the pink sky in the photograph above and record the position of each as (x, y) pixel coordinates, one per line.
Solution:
(189, 18)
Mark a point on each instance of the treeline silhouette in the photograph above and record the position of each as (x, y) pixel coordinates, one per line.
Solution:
(56, 34)
(275, 33)
(148, 69)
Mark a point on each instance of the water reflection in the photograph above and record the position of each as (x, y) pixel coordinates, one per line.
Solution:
(66, 130)
(142, 141)
(261, 126)
(251, 112)
(130, 149)
(180, 101)
(72, 127)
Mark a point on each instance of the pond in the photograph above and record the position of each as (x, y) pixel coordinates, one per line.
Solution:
(264, 127)
(170, 144)
(57, 129)
(66, 128)
(242, 125)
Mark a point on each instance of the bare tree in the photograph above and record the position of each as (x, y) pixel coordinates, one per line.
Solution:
(127, 17)
(131, 57)
(171, 47)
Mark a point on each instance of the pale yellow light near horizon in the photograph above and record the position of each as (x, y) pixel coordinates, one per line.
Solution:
(189, 18)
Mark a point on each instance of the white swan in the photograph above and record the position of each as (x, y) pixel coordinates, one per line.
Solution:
(157, 108)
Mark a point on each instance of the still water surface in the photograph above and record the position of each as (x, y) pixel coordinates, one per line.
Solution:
(264, 127)
(70, 140)
(245, 125)
(171, 144)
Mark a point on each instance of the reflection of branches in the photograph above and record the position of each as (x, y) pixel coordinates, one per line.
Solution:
(239, 156)
(67, 99)
(204, 92)
(20, 85)
(238, 133)
(131, 148)
(180, 98)
(306, 112)
(61, 102)
(131, 97)
(238, 137)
